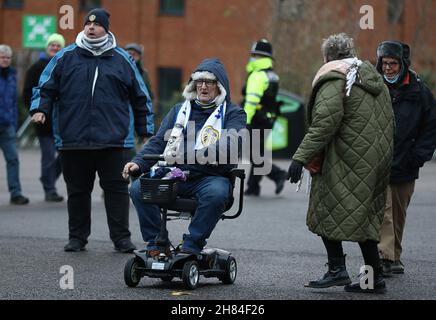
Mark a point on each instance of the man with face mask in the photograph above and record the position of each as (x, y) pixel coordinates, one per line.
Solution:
(414, 144)
(97, 98)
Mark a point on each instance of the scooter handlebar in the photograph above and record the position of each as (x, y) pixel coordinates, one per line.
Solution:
(154, 157)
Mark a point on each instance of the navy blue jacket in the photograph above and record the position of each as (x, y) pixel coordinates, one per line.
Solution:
(90, 110)
(8, 99)
(235, 118)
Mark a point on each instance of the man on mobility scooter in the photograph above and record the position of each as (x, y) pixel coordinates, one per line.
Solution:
(196, 129)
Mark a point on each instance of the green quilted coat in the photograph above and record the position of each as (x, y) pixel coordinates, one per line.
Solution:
(347, 198)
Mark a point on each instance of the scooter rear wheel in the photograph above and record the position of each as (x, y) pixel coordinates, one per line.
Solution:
(231, 270)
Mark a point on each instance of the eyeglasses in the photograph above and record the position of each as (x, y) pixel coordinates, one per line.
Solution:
(208, 83)
(391, 65)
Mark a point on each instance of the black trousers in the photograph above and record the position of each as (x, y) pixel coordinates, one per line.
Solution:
(261, 122)
(79, 168)
(368, 248)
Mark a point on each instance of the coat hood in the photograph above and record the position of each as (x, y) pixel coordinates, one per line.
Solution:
(216, 67)
(369, 79)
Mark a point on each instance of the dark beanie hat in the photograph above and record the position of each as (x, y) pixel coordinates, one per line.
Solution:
(100, 16)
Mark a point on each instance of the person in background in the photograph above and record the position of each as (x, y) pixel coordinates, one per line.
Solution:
(8, 124)
(137, 53)
(261, 107)
(50, 162)
(414, 144)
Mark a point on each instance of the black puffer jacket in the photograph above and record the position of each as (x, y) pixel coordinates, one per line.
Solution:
(30, 82)
(415, 135)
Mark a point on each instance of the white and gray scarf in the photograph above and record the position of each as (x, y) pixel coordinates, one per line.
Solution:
(349, 67)
(211, 130)
(208, 135)
(96, 46)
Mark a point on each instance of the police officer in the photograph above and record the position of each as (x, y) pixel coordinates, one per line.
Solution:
(260, 105)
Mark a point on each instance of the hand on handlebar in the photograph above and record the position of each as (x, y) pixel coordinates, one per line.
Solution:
(130, 168)
(38, 118)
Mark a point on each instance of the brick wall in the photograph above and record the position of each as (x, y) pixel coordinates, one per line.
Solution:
(226, 29)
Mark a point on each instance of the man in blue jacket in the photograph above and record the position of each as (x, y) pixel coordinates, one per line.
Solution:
(209, 112)
(8, 124)
(97, 98)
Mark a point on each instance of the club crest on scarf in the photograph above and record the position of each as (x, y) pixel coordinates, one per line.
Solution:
(209, 136)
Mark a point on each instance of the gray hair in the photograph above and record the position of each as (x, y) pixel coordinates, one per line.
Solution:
(337, 47)
(6, 50)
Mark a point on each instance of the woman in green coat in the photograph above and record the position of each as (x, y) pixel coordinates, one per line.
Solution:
(348, 150)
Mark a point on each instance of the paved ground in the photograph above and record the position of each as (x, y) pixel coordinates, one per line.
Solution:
(276, 254)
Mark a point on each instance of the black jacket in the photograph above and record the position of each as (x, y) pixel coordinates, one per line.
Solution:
(31, 80)
(415, 135)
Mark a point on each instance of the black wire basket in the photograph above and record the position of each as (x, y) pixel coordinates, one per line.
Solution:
(158, 191)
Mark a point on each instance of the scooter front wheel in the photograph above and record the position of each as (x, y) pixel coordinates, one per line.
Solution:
(190, 274)
(132, 275)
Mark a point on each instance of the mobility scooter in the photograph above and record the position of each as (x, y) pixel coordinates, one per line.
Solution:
(166, 266)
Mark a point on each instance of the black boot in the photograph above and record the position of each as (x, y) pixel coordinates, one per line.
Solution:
(379, 284)
(279, 178)
(337, 275)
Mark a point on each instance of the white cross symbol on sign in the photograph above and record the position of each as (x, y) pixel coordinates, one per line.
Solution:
(38, 29)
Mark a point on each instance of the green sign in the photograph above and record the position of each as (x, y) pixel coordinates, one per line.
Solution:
(37, 29)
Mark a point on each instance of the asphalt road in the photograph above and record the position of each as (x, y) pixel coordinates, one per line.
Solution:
(276, 253)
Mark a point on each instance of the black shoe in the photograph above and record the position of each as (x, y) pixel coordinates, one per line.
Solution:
(19, 200)
(53, 197)
(280, 183)
(125, 246)
(397, 267)
(252, 192)
(337, 275)
(74, 245)
(387, 268)
(379, 286)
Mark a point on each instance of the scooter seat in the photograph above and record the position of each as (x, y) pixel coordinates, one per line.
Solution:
(183, 204)
(190, 205)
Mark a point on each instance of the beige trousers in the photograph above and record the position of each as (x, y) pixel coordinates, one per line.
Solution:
(391, 233)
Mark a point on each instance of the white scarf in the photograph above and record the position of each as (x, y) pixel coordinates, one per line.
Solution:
(352, 73)
(96, 46)
(209, 133)
(349, 67)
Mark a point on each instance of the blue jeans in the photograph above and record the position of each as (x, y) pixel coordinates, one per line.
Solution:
(50, 163)
(8, 144)
(213, 194)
